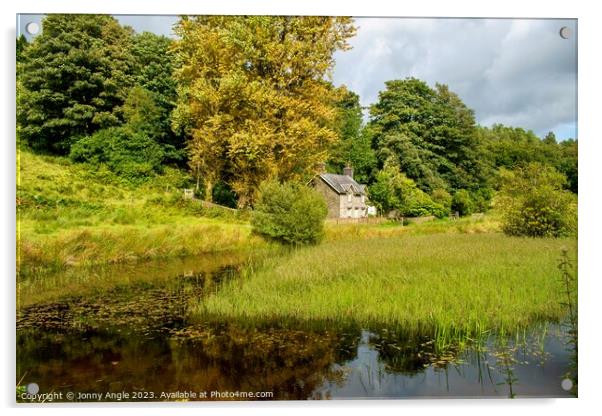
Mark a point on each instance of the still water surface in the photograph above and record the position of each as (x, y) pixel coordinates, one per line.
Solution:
(136, 337)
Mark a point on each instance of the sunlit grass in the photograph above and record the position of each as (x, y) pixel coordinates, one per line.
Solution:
(452, 282)
(69, 215)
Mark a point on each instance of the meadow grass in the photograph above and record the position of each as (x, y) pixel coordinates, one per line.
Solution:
(448, 282)
(469, 225)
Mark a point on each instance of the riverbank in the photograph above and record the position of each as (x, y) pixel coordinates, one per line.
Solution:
(69, 215)
(450, 282)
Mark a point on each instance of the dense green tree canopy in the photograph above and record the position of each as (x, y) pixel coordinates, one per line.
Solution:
(289, 212)
(153, 71)
(75, 77)
(510, 147)
(354, 146)
(429, 133)
(534, 202)
(394, 191)
(20, 48)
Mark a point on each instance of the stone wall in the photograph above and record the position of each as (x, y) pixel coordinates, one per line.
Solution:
(330, 196)
(347, 209)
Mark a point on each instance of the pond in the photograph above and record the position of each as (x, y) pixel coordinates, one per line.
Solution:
(123, 334)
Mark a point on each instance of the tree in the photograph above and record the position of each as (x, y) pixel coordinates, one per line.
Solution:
(75, 77)
(534, 203)
(550, 138)
(462, 203)
(510, 147)
(393, 190)
(290, 213)
(253, 99)
(22, 44)
(442, 197)
(153, 71)
(567, 163)
(142, 114)
(130, 154)
(354, 145)
(429, 133)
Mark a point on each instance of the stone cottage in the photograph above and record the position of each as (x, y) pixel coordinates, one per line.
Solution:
(344, 196)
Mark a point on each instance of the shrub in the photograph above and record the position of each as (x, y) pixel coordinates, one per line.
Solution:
(133, 156)
(395, 191)
(482, 199)
(462, 203)
(290, 213)
(442, 197)
(534, 203)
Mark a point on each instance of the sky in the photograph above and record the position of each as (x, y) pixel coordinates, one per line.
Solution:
(518, 72)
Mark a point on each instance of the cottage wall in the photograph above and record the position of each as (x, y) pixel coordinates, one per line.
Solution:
(356, 208)
(331, 197)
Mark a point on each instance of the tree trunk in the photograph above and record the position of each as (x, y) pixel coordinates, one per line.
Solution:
(208, 190)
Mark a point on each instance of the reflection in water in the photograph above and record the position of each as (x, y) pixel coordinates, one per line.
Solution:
(136, 338)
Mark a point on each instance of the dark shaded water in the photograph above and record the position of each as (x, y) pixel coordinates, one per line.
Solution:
(135, 339)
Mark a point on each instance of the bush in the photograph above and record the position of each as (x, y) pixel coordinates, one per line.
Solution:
(395, 191)
(462, 203)
(442, 197)
(482, 199)
(534, 203)
(132, 156)
(290, 213)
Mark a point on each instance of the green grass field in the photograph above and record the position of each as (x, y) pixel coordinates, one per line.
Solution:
(456, 282)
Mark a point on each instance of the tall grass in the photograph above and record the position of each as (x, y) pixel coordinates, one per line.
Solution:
(71, 216)
(467, 225)
(449, 282)
(123, 244)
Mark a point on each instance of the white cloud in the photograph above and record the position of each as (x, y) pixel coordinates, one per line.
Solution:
(516, 72)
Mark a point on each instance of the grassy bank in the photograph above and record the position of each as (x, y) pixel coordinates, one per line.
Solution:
(69, 215)
(456, 282)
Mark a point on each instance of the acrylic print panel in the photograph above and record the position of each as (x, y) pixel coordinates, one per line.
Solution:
(291, 208)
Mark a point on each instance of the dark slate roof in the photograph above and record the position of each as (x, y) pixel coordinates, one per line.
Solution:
(341, 184)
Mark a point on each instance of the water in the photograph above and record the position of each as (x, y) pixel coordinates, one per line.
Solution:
(134, 341)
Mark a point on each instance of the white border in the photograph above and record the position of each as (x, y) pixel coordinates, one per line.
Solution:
(589, 169)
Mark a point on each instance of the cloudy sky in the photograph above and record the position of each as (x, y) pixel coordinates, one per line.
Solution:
(517, 72)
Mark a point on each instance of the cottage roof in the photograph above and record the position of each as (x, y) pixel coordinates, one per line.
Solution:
(343, 184)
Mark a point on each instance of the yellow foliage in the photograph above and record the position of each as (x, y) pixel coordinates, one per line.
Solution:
(254, 96)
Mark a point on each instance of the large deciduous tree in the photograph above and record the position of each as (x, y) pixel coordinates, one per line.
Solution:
(74, 79)
(153, 71)
(353, 146)
(254, 98)
(429, 133)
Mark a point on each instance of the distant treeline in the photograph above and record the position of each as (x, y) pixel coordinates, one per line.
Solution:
(241, 100)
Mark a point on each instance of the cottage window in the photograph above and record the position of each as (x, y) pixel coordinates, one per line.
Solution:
(349, 197)
(362, 199)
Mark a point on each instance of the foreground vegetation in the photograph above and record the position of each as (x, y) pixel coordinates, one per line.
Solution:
(452, 282)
